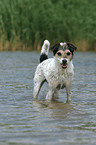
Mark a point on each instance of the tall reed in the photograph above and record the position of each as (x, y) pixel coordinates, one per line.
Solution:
(24, 24)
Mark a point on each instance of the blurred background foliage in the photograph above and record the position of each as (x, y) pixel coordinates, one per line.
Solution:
(25, 24)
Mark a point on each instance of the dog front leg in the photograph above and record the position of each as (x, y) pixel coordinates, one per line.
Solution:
(52, 94)
(49, 95)
(68, 92)
(56, 94)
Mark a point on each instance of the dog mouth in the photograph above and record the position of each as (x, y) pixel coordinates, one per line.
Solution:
(64, 64)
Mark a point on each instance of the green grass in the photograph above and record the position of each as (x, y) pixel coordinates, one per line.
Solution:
(25, 24)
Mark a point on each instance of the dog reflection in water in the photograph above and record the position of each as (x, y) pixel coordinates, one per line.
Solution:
(58, 71)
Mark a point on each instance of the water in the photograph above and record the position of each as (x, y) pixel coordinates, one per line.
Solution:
(27, 122)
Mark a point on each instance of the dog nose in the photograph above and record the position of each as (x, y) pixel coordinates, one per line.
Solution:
(64, 61)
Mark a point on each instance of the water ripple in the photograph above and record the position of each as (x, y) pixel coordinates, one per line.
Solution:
(25, 121)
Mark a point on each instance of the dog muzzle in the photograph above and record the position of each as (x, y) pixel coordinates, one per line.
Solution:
(64, 63)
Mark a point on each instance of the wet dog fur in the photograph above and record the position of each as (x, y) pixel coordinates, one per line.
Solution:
(57, 71)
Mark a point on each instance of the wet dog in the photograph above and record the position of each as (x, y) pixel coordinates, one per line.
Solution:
(57, 71)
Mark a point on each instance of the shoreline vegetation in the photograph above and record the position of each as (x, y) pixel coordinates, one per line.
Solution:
(25, 24)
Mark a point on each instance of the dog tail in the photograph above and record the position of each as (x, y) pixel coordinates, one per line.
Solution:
(44, 51)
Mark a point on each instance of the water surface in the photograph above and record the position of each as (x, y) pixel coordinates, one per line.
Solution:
(24, 121)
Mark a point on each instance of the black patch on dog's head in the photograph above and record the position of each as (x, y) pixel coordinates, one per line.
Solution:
(55, 48)
(71, 47)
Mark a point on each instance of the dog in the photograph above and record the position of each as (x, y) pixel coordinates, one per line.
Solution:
(58, 71)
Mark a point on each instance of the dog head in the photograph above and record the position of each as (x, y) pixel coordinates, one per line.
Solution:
(64, 53)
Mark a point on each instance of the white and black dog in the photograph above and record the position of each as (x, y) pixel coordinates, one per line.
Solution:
(57, 71)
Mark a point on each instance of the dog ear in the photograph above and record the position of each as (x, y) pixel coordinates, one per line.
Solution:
(71, 47)
(55, 48)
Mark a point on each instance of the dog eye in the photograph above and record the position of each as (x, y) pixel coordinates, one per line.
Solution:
(68, 53)
(59, 53)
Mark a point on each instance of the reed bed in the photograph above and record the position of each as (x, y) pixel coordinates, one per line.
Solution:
(25, 24)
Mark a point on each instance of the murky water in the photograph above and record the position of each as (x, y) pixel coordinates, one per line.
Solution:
(27, 122)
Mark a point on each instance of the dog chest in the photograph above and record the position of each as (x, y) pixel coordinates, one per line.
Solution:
(57, 79)
(55, 75)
